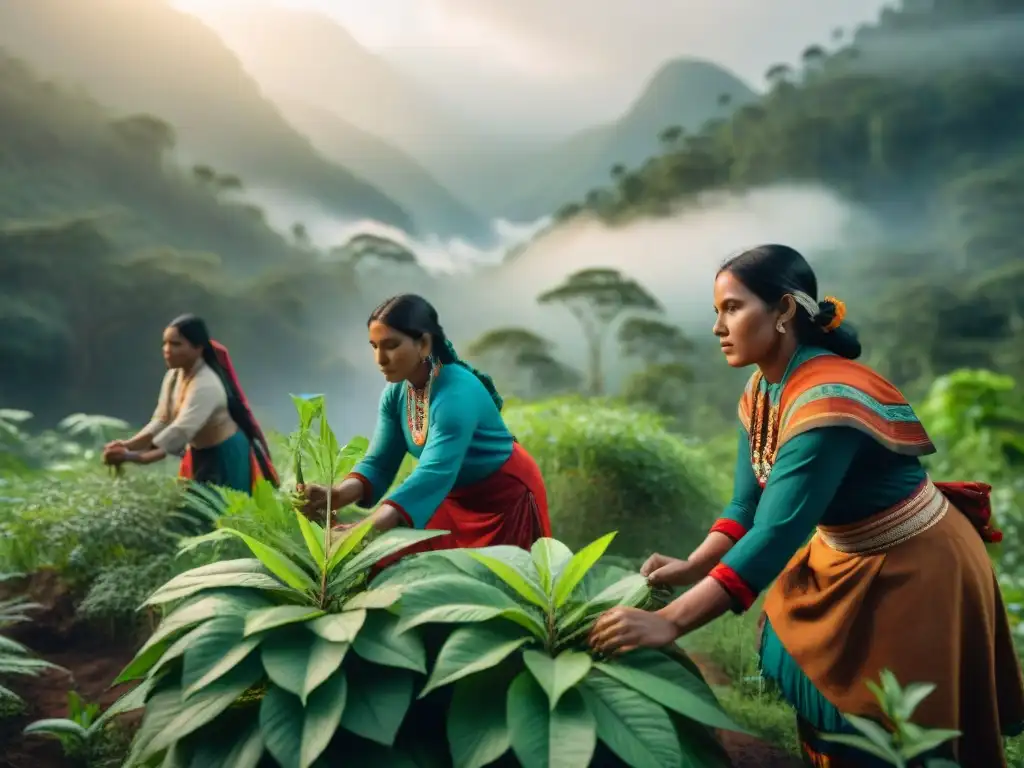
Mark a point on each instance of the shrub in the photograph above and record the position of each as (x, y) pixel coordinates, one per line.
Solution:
(608, 467)
(14, 657)
(521, 677)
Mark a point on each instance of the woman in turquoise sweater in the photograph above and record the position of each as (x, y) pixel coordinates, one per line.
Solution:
(895, 574)
(472, 478)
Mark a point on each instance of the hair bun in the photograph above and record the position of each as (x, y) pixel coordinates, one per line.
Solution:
(831, 313)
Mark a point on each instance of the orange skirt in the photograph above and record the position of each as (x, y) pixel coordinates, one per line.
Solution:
(927, 607)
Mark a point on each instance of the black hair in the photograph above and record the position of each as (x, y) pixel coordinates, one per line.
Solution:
(771, 272)
(194, 330)
(416, 317)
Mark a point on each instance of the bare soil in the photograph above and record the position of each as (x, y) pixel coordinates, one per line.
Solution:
(93, 659)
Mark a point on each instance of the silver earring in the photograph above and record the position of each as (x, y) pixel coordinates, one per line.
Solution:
(780, 327)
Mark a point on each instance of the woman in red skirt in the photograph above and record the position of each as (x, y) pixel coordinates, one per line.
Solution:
(472, 478)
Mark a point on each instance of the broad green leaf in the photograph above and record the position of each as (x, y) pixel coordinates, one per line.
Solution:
(873, 732)
(632, 591)
(343, 546)
(380, 642)
(338, 627)
(191, 581)
(453, 599)
(207, 704)
(378, 698)
(911, 698)
(216, 651)
(522, 583)
(58, 728)
(299, 661)
(578, 566)
(128, 702)
(383, 597)
(281, 722)
(277, 616)
(385, 545)
(670, 684)
(277, 563)
(314, 541)
(240, 751)
(550, 556)
(254, 581)
(542, 738)
(476, 724)
(198, 611)
(182, 644)
(474, 648)
(863, 744)
(922, 740)
(145, 660)
(557, 675)
(632, 726)
(161, 709)
(323, 717)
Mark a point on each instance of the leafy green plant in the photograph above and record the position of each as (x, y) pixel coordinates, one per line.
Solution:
(283, 651)
(602, 462)
(76, 732)
(906, 743)
(14, 657)
(521, 673)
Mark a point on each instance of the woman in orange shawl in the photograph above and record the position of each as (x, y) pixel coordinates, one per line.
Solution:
(895, 575)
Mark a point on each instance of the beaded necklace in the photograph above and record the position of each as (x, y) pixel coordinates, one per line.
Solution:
(764, 433)
(417, 407)
(764, 423)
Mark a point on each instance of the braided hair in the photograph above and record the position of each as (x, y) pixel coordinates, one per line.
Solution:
(772, 272)
(416, 317)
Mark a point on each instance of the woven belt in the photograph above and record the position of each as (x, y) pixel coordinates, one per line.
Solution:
(893, 526)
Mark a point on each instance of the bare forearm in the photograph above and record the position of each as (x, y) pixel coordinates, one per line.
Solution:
(386, 517)
(146, 457)
(347, 492)
(709, 553)
(705, 602)
(141, 442)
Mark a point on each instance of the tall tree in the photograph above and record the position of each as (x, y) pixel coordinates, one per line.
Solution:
(523, 362)
(597, 298)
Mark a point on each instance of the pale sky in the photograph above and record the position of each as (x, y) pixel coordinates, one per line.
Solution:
(545, 38)
(571, 63)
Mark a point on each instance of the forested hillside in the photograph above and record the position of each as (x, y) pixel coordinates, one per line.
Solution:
(145, 56)
(936, 153)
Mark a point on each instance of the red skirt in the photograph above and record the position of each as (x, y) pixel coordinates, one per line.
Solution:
(508, 507)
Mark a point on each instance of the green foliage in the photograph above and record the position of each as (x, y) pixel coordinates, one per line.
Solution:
(519, 669)
(14, 657)
(905, 744)
(608, 467)
(597, 298)
(523, 363)
(86, 737)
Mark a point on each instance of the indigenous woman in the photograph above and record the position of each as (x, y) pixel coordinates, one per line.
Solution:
(895, 575)
(472, 478)
(202, 415)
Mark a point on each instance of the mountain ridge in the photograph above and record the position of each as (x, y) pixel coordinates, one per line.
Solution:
(168, 63)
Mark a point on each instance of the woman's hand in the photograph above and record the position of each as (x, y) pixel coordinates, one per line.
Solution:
(623, 629)
(115, 455)
(662, 571)
(315, 496)
(115, 444)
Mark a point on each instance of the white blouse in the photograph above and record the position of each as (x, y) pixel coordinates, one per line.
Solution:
(192, 411)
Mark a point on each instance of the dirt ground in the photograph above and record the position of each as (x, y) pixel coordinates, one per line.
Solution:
(93, 660)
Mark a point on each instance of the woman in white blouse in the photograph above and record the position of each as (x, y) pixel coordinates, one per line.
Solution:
(201, 415)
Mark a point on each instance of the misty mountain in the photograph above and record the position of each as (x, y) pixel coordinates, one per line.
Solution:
(140, 56)
(435, 208)
(309, 59)
(685, 93)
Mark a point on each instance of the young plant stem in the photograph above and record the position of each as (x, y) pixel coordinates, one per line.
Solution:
(327, 543)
